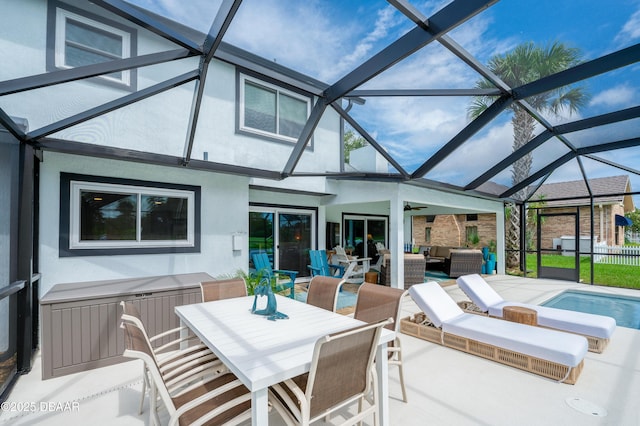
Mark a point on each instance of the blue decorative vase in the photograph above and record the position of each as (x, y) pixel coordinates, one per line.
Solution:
(485, 253)
(491, 263)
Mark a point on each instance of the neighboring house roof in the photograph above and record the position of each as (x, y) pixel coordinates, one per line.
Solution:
(606, 190)
(492, 188)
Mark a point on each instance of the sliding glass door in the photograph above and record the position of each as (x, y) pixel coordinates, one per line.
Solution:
(285, 234)
(357, 228)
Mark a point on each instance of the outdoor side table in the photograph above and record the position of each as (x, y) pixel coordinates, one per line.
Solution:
(520, 314)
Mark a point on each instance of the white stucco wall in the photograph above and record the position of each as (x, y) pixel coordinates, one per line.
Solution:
(216, 133)
(158, 124)
(367, 159)
(224, 203)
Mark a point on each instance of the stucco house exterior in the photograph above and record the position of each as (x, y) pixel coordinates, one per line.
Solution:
(217, 198)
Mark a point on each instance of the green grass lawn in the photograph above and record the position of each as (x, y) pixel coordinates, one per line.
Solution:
(609, 275)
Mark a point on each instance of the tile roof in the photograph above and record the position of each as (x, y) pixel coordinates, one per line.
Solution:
(611, 187)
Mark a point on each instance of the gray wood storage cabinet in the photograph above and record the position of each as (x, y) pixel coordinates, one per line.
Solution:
(80, 322)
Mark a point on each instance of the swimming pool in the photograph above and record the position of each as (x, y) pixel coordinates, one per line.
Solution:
(625, 309)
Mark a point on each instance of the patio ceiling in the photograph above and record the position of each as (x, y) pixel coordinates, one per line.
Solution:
(401, 74)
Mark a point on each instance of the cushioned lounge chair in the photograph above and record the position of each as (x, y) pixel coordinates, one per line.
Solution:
(596, 328)
(549, 353)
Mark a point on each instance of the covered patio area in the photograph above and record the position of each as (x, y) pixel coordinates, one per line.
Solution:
(444, 386)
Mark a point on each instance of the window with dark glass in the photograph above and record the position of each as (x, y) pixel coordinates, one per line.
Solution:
(164, 218)
(101, 215)
(107, 216)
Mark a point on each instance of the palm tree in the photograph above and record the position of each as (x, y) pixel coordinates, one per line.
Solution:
(527, 63)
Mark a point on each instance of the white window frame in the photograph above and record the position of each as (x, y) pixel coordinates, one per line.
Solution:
(279, 90)
(62, 15)
(76, 187)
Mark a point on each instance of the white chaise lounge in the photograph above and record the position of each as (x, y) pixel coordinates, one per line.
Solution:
(549, 353)
(596, 328)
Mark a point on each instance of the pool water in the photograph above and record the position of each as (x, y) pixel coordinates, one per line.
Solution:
(625, 310)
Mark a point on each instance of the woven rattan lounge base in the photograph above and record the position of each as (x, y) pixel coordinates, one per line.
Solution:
(596, 344)
(419, 326)
(597, 329)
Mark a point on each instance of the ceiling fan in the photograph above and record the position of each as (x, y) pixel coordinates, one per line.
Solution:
(408, 207)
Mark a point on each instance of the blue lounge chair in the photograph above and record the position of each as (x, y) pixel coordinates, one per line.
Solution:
(262, 263)
(321, 266)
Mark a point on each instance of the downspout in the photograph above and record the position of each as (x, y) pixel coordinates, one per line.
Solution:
(602, 236)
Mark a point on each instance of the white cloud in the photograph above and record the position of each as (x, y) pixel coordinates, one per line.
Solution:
(621, 95)
(313, 37)
(413, 128)
(475, 156)
(198, 14)
(631, 29)
(387, 19)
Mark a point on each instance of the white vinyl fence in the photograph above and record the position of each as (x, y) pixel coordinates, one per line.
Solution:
(616, 255)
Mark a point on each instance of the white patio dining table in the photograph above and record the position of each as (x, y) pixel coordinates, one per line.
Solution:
(261, 352)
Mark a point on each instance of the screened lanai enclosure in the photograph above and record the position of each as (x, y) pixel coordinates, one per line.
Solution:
(226, 108)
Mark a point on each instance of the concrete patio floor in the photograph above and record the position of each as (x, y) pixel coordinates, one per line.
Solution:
(444, 386)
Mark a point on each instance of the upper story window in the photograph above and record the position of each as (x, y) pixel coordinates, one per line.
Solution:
(80, 40)
(271, 111)
(105, 214)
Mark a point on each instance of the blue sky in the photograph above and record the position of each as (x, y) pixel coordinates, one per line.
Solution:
(328, 38)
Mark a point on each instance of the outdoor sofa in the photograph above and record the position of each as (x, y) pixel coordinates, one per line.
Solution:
(437, 252)
(596, 328)
(549, 353)
(462, 262)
